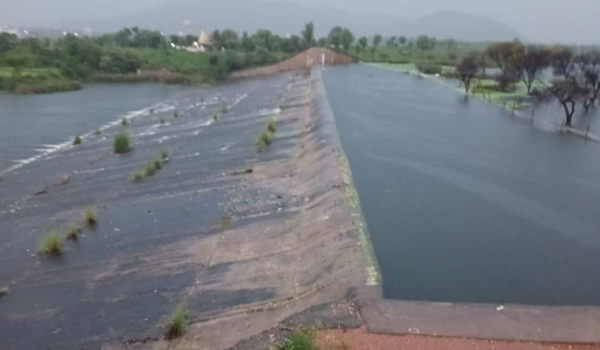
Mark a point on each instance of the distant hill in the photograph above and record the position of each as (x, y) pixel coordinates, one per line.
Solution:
(286, 18)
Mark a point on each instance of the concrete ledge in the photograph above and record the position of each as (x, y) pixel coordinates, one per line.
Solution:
(565, 324)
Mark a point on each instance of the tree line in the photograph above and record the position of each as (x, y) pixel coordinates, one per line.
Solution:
(575, 76)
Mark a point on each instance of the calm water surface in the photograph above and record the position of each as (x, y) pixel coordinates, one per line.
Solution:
(465, 203)
(30, 123)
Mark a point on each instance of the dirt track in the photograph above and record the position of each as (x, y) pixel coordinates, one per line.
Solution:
(243, 251)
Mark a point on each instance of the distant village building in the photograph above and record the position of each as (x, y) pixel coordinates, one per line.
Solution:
(203, 38)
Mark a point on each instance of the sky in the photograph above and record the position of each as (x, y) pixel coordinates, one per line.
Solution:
(536, 20)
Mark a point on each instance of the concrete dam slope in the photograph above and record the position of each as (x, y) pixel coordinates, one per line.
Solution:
(315, 56)
(245, 239)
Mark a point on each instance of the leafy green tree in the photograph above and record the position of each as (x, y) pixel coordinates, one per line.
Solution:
(347, 39)
(7, 42)
(230, 39)
(308, 34)
(124, 37)
(391, 42)
(120, 61)
(402, 40)
(423, 43)
(216, 40)
(150, 39)
(246, 42)
(335, 37)
(377, 40)
(18, 58)
(174, 39)
(363, 42)
(265, 39)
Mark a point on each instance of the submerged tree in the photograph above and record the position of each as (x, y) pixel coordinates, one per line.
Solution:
(466, 71)
(530, 63)
(568, 92)
(589, 66)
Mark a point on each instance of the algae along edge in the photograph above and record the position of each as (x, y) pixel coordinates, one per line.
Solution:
(350, 195)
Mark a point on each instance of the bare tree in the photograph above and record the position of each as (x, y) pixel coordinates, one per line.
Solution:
(529, 63)
(568, 92)
(466, 70)
(589, 68)
(561, 58)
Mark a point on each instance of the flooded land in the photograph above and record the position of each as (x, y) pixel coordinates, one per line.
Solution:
(464, 202)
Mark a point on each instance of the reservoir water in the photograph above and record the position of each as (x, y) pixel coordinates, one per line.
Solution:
(465, 203)
(29, 124)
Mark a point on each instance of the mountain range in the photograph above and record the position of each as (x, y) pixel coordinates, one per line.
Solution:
(192, 16)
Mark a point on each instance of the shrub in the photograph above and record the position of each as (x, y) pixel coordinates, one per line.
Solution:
(271, 126)
(429, 68)
(77, 140)
(137, 176)
(121, 143)
(299, 340)
(164, 155)
(264, 139)
(149, 168)
(50, 243)
(89, 215)
(157, 163)
(178, 320)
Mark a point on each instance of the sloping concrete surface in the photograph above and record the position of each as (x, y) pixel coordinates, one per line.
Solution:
(243, 250)
(563, 324)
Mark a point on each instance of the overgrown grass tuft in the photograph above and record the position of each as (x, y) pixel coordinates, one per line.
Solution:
(299, 340)
(77, 140)
(178, 320)
(137, 176)
(121, 143)
(89, 215)
(271, 126)
(264, 139)
(50, 243)
(149, 168)
(72, 231)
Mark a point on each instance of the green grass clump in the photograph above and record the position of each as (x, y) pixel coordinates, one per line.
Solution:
(124, 121)
(97, 132)
(157, 163)
(149, 168)
(89, 215)
(264, 139)
(72, 231)
(299, 340)
(137, 176)
(164, 155)
(50, 243)
(178, 320)
(271, 126)
(121, 143)
(77, 140)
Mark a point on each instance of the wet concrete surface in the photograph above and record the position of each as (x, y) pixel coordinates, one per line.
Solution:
(163, 241)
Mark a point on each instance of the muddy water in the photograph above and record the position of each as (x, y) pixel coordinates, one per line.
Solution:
(32, 124)
(465, 203)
